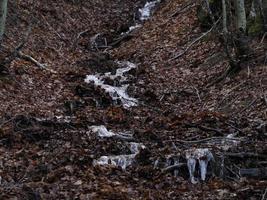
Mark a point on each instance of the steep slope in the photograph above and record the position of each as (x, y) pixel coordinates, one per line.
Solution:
(57, 130)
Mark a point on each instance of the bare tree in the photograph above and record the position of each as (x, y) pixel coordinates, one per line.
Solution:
(264, 9)
(3, 13)
(224, 13)
(241, 21)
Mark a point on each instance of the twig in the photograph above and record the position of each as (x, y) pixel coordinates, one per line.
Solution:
(82, 33)
(248, 106)
(120, 39)
(263, 93)
(31, 59)
(264, 195)
(205, 128)
(238, 129)
(254, 172)
(124, 138)
(263, 37)
(173, 167)
(52, 28)
(197, 91)
(245, 155)
(203, 140)
(228, 92)
(183, 9)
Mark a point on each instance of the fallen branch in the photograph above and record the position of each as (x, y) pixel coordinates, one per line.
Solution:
(30, 59)
(34, 61)
(124, 138)
(264, 194)
(195, 41)
(120, 39)
(245, 155)
(173, 167)
(248, 106)
(205, 128)
(204, 140)
(183, 9)
(254, 172)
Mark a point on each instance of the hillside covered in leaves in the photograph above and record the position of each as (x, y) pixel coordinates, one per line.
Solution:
(128, 100)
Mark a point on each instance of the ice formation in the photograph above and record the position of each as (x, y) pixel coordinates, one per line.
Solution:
(116, 93)
(145, 12)
(229, 142)
(203, 157)
(102, 131)
(122, 161)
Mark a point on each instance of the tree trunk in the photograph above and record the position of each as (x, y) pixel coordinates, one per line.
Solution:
(264, 8)
(224, 9)
(3, 13)
(241, 21)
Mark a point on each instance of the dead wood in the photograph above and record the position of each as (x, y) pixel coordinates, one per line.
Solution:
(173, 167)
(245, 155)
(254, 172)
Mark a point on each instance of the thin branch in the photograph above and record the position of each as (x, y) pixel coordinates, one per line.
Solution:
(34, 61)
(173, 167)
(204, 140)
(30, 59)
(264, 195)
(194, 42)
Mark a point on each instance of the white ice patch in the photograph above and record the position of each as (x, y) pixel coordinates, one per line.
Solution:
(136, 147)
(146, 11)
(122, 161)
(116, 93)
(102, 131)
(126, 67)
(132, 28)
(144, 14)
(60, 119)
(229, 142)
(203, 157)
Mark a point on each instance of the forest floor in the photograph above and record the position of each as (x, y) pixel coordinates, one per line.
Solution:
(48, 147)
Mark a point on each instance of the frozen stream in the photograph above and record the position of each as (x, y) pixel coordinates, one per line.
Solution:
(116, 92)
(119, 92)
(122, 161)
(143, 14)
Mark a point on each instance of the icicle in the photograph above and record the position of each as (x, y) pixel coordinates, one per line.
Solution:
(191, 164)
(203, 156)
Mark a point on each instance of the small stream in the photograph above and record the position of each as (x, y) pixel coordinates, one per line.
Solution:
(143, 14)
(117, 93)
(122, 161)
(197, 159)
